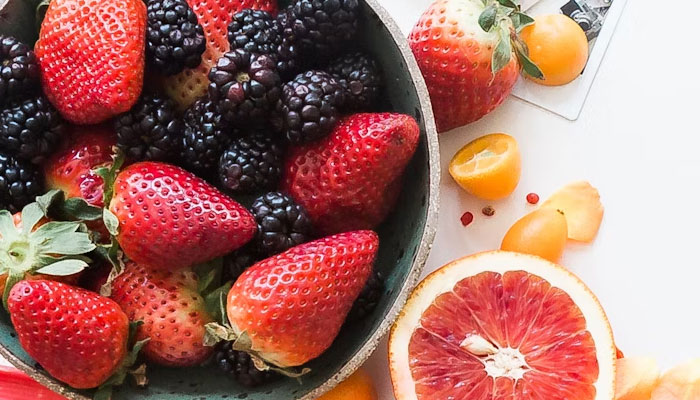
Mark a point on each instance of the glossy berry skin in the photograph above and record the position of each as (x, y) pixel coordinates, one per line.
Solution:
(214, 16)
(71, 168)
(172, 312)
(20, 183)
(91, 56)
(77, 336)
(454, 54)
(171, 219)
(350, 180)
(19, 71)
(292, 305)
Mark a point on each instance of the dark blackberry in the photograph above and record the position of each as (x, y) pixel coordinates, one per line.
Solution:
(321, 28)
(151, 130)
(368, 299)
(245, 85)
(204, 139)
(174, 38)
(239, 366)
(251, 164)
(309, 106)
(288, 53)
(31, 130)
(19, 71)
(282, 223)
(361, 78)
(237, 262)
(20, 183)
(255, 31)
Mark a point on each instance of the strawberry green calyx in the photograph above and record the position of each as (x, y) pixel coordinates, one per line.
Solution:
(111, 252)
(52, 248)
(506, 18)
(104, 392)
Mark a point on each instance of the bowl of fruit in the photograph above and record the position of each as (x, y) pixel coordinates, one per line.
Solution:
(207, 198)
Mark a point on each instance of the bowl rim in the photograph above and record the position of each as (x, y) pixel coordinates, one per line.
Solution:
(417, 265)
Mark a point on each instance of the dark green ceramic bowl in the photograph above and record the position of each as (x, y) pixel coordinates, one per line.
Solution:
(405, 240)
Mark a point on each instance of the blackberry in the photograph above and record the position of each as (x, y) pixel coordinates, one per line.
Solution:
(205, 137)
(150, 130)
(174, 38)
(20, 183)
(288, 53)
(19, 71)
(321, 28)
(30, 130)
(245, 85)
(358, 73)
(237, 262)
(251, 164)
(309, 106)
(368, 299)
(282, 223)
(239, 366)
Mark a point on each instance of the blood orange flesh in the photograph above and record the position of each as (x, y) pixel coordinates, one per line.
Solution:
(507, 333)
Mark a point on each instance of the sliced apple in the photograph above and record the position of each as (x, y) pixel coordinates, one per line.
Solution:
(580, 203)
(636, 378)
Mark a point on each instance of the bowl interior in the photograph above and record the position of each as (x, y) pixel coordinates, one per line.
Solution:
(400, 240)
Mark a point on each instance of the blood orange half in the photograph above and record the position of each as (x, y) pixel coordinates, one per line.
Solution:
(502, 326)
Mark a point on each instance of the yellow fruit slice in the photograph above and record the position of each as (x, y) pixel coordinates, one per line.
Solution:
(358, 386)
(680, 383)
(636, 378)
(543, 233)
(488, 167)
(502, 325)
(580, 203)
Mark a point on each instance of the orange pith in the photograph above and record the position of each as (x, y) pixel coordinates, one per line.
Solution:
(557, 326)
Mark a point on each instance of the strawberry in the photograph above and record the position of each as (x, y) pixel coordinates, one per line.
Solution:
(351, 179)
(91, 55)
(214, 16)
(171, 309)
(470, 56)
(77, 336)
(71, 168)
(170, 219)
(288, 309)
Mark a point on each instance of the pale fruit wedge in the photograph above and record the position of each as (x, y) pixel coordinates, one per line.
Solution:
(680, 383)
(580, 203)
(502, 325)
(636, 378)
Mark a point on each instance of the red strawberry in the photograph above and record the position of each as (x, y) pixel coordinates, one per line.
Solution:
(77, 336)
(71, 169)
(172, 312)
(290, 307)
(350, 179)
(214, 16)
(169, 218)
(469, 71)
(91, 55)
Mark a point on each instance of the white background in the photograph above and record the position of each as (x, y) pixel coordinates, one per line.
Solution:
(638, 141)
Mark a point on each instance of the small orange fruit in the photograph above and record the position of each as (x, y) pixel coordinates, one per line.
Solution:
(636, 378)
(542, 233)
(580, 203)
(488, 167)
(358, 386)
(558, 45)
(680, 383)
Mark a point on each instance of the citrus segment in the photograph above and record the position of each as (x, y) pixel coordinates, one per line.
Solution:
(580, 203)
(636, 378)
(358, 386)
(542, 233)
(502, 325)
(680, 383)
(488, 167)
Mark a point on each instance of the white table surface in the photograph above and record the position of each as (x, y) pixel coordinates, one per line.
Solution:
(638, 141)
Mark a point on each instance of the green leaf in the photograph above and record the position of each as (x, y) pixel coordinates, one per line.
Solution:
(529, 67)
(109, 175)
(209, 275)
(104, 392)
(41, 12)
(7, 226)
(111, 222)
(520, 20)
(31, 214)
(13, 277)
(487, 19)
(64, 267)
(215, 332)
(502, 53)
(46, 200)
(78, 208)
(215, 303)
(70, 244)
(509, 4)
(114, 256)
